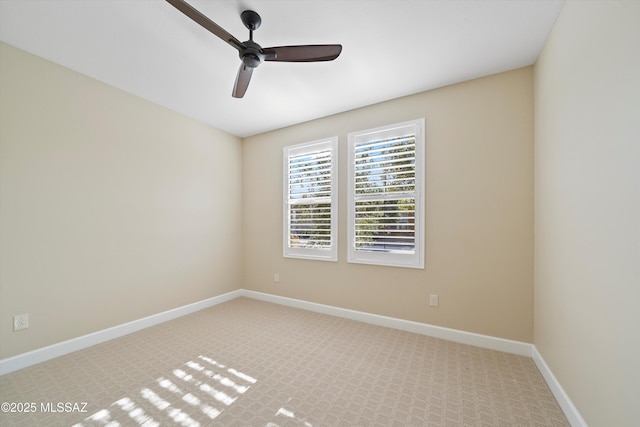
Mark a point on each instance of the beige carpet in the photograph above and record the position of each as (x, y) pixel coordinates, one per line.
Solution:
(251, 363)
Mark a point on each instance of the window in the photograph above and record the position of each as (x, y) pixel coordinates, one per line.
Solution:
(385, 192)
(310, 198)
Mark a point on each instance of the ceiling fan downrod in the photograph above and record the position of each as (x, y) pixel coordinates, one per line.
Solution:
(252, 54)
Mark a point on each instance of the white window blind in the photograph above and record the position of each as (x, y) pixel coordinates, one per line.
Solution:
(310, 178)
(385, 187)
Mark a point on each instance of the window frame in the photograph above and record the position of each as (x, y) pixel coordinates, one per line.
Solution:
(391, 258)
(330, 254)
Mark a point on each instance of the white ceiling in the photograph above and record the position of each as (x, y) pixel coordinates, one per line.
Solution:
(391, 48)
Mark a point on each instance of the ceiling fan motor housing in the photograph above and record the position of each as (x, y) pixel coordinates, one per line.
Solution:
(252, 54)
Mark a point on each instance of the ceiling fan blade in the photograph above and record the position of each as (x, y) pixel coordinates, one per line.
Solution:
(205, 22)
(242, 81)
(307, 53)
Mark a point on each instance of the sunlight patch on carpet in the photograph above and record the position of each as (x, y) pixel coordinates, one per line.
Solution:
(196, 388)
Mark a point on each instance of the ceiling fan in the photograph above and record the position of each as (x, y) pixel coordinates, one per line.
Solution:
(251, 53)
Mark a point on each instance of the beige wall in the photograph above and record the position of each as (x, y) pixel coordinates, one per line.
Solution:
(479, 212)
(587, 208)
(111, 208)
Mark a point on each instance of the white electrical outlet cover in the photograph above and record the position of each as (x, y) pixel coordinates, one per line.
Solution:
(433, 300)
(20, 321)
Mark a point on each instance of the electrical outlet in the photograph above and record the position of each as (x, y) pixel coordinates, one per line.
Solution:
(20, 321)
(434, 300)
(276, 277)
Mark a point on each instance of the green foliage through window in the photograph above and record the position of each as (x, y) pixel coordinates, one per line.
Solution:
(310, 174)
(384, 188)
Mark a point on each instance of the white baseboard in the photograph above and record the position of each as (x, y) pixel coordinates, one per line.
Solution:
(24, 360)
(567, 406)
(478, 340)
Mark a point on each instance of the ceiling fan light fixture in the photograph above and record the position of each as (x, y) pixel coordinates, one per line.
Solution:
(251, 60)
